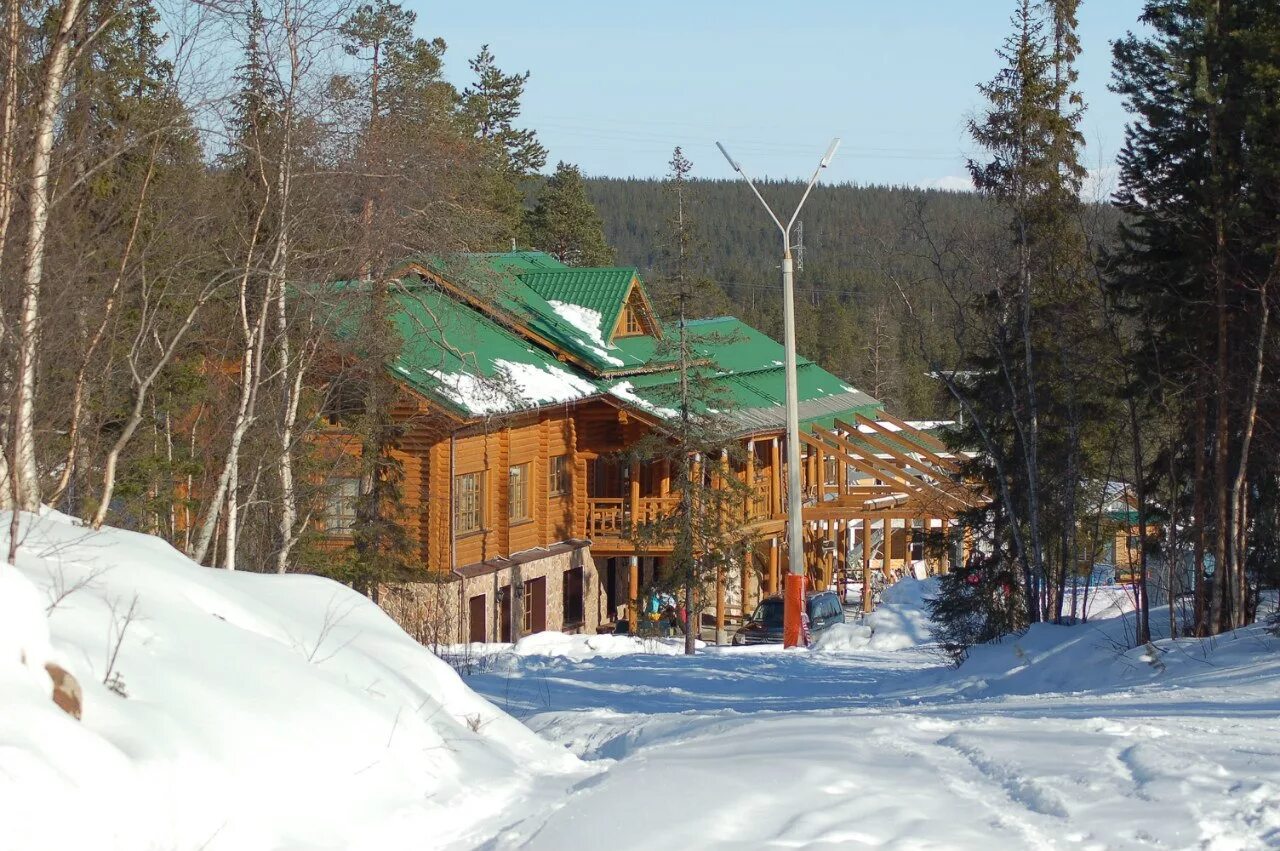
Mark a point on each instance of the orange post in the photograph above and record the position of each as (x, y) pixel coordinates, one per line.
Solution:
(795, 629)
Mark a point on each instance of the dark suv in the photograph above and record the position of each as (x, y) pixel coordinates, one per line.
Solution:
(765, 625)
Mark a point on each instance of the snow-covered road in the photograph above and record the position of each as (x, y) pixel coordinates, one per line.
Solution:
(759, 748)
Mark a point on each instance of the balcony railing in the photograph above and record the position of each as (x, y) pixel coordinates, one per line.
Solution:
(760, 501)
(612, 517)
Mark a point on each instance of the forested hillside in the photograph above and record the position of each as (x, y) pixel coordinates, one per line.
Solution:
(863, 245)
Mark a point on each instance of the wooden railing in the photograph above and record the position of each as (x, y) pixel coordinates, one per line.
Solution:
(606, 517)
(760, 502)
(612, 517)
(651, 508)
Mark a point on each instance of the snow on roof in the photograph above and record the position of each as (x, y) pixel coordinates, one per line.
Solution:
(513, 387)
(918, 425)
(589, 322)
(623, 390)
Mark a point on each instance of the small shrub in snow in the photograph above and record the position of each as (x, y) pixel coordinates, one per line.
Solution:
(975, 607)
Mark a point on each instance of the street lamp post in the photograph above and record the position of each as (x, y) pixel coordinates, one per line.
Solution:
(793, 608)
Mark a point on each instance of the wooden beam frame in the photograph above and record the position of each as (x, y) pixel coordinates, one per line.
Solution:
(927, 438)
(876, 467)
(945, 463)
(945, 484)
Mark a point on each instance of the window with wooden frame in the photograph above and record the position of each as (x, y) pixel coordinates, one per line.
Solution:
(518, 493)
(559, 478)
(339, 514)
(634, 321)
(631, 326)
(468, 503)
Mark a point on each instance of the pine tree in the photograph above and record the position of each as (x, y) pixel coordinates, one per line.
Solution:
(493, 104)
(1200, 192)
(565, 224)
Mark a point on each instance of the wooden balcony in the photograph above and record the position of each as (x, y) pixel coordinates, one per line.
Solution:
(612, 518)
(760, 502)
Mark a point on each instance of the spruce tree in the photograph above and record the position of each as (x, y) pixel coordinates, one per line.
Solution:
(1024, 364)
(1196, 264)
(697, 444)
(565, 224)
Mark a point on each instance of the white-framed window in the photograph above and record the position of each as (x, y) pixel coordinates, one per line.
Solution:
(559, 475)
(468, 503)
(518, 492)
(339, 514)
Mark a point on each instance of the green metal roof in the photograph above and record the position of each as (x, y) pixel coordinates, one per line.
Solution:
(501, 279)
(470, 364)
(602, 291)
(478, 361)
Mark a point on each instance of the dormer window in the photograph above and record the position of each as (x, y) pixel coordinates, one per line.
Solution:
(631, 326)
(635, 319)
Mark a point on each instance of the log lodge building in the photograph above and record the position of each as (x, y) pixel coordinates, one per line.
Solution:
(524, 380)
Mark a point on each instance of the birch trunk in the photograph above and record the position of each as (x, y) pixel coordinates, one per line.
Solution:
(1239, 516)
(78, 394)
(250, 373)
(142, 387)
(22, 428)
(290, 374)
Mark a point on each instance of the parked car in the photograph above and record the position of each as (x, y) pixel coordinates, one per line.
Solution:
(765, 624)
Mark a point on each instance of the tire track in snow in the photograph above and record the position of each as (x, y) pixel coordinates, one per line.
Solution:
(965, 779)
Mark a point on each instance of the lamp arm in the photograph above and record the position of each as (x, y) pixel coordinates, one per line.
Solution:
(767, 208)
(805, 196)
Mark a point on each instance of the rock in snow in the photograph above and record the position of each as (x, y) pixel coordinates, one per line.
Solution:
(245, 711)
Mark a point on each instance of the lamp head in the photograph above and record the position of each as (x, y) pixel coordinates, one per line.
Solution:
(831, 152)
(732, 162)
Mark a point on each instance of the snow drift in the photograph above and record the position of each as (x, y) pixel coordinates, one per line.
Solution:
(246, 711)
(899, 622)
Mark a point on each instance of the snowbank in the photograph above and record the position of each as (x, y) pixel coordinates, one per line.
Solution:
(247, 711)
(575, 648)
(899, 622)
(1051, 659)
(581, 647)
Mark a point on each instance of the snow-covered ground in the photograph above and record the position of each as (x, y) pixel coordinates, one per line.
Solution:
(249, 711)
(262, 712)
(1058, 739)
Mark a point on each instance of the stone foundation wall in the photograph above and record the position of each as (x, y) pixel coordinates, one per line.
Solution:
(438, 612)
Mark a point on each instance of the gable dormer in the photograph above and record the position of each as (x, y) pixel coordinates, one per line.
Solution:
(635, 319)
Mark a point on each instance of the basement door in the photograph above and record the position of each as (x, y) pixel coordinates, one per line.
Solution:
(476, 617)
(504, 614)
(535, 605)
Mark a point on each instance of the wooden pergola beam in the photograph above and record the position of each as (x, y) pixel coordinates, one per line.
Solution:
(912, 482)
(887, 473)
(944, 483)
(929, 439)
(945, 463)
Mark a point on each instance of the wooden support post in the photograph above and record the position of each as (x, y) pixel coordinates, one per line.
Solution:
(775, 469)
(750, 482)
(720, 594)
(888, 545)
(773, 566)
(721, 476)
(635, 494)
(866, 563)
(664, 483)
(633, 614)
(819, 480)
(842, 557)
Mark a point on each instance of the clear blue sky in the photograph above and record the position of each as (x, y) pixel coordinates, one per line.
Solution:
(616, 85)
